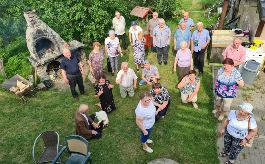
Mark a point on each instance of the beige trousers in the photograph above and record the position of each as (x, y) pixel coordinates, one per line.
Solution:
(224, 103)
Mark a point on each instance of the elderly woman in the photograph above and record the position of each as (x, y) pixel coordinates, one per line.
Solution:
(183, 60)
(238, 128)
(161, 99)
(139, 50)
(133, 32)
(103, 91)
(145, 118)
(189, 87)
(182, 34)
(226, 82)
(112, 50)
(96, 58)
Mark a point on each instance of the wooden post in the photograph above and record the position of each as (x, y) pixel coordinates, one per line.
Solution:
(2, 69)
(222, 19)
(146, 18)
(139, 21)
(35, 76)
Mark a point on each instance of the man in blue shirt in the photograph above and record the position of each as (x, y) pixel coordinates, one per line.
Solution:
(71, 67)
(182, 34)
(189, 21)
(199, 40)
(161, 40)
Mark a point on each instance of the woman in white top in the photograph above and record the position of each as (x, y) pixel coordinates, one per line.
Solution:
(235, 131)
(134, 30)
(145, 118)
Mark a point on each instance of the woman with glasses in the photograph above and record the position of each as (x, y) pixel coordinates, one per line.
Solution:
(145, 118)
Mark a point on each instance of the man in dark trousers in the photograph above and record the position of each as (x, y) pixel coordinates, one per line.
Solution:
(85, 125)
(71, 68)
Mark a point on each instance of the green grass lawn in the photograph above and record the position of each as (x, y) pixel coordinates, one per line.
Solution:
(186, 135)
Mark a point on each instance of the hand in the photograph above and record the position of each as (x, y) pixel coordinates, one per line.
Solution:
(146, 133)
(132, 45)
(96, 126)
(100, 92)
(66, 81)
(134, 87)
(243, 142)
(192, 50)
(222, 132)
(91, 70)
(187, 79)
(110, 86)
(83, 73)
(191, 67)
(175, 48)
(121, 54)
(156, 113)
(174, 69)
(154, 44)
(149, 78)
(203, 47)
(149, 83)
(94, 132)
(189, 99)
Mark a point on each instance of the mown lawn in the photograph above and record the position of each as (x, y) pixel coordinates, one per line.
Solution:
(186, 135)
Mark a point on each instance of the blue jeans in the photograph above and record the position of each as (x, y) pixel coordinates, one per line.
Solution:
(145, 137)
(142, 82)
(152, 46)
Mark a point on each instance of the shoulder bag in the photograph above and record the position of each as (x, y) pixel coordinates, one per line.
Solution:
(250, 141)
(91, 77)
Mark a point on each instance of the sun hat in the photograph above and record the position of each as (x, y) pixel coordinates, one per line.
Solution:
(133, 23)
(146, 61)
(246, 107)
(111, 32)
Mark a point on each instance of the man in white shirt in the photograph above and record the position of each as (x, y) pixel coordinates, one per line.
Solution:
(119, 23)
(127, 80)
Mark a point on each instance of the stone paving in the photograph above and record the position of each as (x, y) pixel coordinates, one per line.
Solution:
(254, 94)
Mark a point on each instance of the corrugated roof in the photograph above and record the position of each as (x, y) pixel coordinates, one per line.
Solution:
(140, 11)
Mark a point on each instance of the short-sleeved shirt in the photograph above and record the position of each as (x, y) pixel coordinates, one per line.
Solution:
(179, 36)
(184, 58)
(113, 46)
(201, 40)
(189, 88)
(161, 97)
(119, 26)
(152, 24)
(127, 80)
(233, 77)
(152, 72)
(239, 129)
(189, 23)
(135, 33)
(147, 113)
(70, 66)
(238, 55)
(162, 36)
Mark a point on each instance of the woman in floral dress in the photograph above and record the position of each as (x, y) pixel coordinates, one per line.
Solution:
(226, 83)
(103, 91)
(96, 58)
(139, 50)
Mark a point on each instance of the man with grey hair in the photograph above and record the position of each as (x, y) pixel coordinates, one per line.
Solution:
(161, 40)
(199, 40)
(119, 23)
(182, 34)
(84, 125)
(150, 26)
(189, 21)
(71, 70)
(127, 80)
(236, 52)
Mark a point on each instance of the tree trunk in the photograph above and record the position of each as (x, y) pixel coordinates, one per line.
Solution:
(2, 69)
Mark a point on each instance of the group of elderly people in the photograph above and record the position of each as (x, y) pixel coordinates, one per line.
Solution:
(155, 103)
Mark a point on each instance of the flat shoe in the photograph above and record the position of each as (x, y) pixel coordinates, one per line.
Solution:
(137, 70)
(195, 105)
(215, 111)
(149, 141)
(149, 150)
(220, 118)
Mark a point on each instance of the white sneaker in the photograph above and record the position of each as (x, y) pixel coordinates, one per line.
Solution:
(149, 141)
(149, 150)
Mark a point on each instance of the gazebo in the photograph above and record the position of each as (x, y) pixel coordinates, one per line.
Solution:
(141, 12)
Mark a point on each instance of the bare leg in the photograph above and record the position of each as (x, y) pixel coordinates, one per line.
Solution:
(145, 146)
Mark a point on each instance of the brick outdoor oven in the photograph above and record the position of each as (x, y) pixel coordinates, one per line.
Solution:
(46, 46)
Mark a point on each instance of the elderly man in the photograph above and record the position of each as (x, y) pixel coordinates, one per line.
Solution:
(119, 27)
(182, 34)
(199, 40)
(161, 40)
(150, 26)
(84, 125)
(189, 21)
(150, 74)
(127, 80)
(236, 52)
(71, 67)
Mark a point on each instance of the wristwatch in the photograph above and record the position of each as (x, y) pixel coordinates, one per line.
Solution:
(246, 139)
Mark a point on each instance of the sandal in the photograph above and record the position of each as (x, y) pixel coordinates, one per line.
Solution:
(223, 154)
(137, 70)
(215, 111)
(228, 162)
(220, 118)
(195, 105)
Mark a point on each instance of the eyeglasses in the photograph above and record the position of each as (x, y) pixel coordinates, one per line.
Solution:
(147, 100)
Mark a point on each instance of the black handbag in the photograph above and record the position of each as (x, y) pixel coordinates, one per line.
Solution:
(108, 65)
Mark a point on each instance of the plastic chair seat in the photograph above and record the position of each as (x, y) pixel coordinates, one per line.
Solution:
(75, 158)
